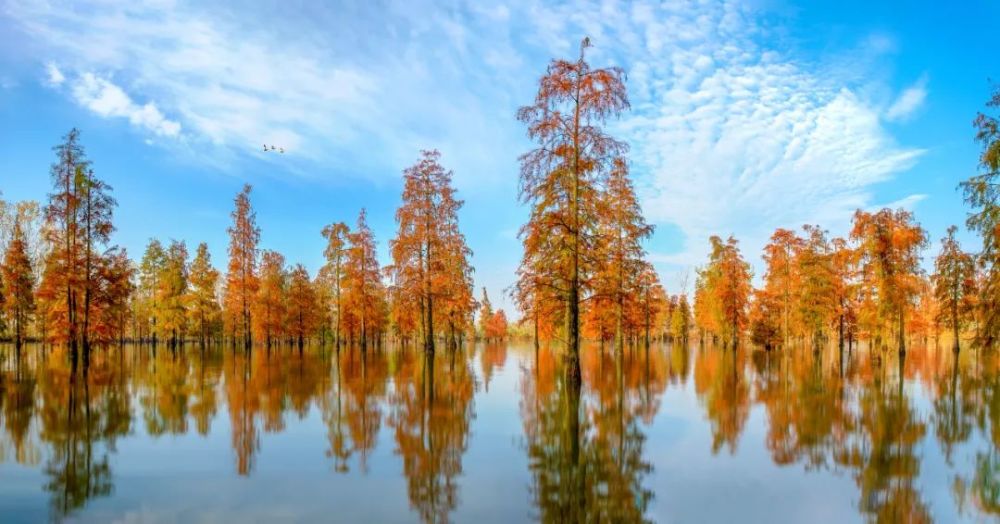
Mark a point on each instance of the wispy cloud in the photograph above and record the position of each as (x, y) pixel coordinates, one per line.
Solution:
(105, 98)
(908, 203)
(728, 134)
(909, 101)
(53, 76)
(732, 137)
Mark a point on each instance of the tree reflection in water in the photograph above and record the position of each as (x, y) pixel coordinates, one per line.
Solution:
(82, 415)
(870, 418)
(584, 438)
(431, 410)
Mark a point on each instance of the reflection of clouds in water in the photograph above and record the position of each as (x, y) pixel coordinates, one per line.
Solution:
(782, 433)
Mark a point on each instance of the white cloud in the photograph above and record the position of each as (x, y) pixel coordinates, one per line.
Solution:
(106, 99)
(908, 203)
(54, 77)
(909, 101)
(728, 135)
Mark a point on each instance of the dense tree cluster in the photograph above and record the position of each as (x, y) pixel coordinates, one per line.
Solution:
(583, 274)
(870, 285)
(88, 292)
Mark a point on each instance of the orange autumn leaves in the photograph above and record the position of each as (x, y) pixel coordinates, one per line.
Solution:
(86, 283)
(425, 294)
(431, 275)
(583, 273)
(867, 286)
(582, 257)
(17, 282)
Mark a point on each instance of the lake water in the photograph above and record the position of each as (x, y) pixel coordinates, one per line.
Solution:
(500, 433)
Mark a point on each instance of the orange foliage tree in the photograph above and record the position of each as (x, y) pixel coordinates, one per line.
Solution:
(496, 326)
(889, 244)
(816, 297)
(843, 261)
(954, 282)
(171, 293)
(722, 293)
(619, 263)
(780, 279)
(146, 299)
(241, 277)
(17, 284)
(203, 308)
(332, 272)
(430, 267)
(648, 302)
(80, 286)
(364, 292)
(560, 180)
(302, 305)
(269, 304)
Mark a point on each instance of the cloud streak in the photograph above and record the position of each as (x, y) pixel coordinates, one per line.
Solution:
(728, 135)
(106, 99)
(910, 100)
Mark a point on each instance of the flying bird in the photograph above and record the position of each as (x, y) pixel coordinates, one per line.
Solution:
(273, 147)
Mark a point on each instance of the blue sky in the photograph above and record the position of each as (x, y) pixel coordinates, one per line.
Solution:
(746, 116)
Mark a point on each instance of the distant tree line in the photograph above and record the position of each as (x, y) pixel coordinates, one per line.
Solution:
(583, 275)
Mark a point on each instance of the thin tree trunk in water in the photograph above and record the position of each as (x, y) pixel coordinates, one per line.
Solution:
(647, 324)
(840, 333)
(619, 305)
(954, 326)
(573, 317)
(85, 332)
(536, 331)
(429, 334)
(902, 333)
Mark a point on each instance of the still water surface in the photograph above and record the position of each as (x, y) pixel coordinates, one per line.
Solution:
(498, 433)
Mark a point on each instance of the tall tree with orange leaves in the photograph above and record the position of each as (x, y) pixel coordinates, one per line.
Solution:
(889, 244)
(723, 291)
(336, 236)
(622, 228)
(302, 305)
(75, 285)
(114, 274)
(781, 278)
(457, 305)
(650, 300)
(815, 298)
(496, 326)
(17, 284)
(269, 303)
(843, 261)
(430, 257)
(172, 292)
(241, 277)
(539, 301)
(561, 178)
(954, 283)
(364, 292)
(203, 308)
